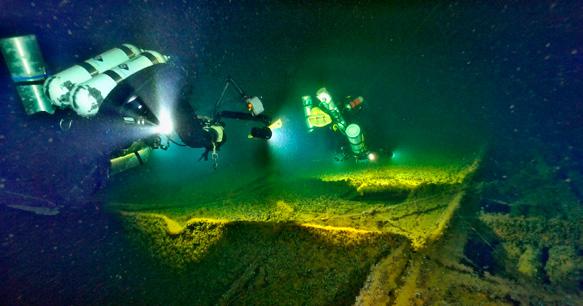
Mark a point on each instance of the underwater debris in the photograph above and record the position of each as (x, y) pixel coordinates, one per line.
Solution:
(245, 263)
(536, 231)
(420, 213)
(329, 249)
(383, 279)
(529, 263)
(403, 177)
(283, 210)
(29, 203)
(176, 245)
(326, 222)
(564, 267)
(44, 211)
(433, 245)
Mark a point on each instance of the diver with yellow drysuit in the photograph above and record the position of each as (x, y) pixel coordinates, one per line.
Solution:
(325, 112)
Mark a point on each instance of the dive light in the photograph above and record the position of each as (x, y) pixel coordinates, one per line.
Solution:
(261, 132)
(135, 111)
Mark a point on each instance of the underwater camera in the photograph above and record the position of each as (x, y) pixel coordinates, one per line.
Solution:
(254, 105)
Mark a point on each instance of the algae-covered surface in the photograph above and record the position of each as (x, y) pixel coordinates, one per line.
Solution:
(412, 201)
(380, 234)
(246, 263)
(306, 240)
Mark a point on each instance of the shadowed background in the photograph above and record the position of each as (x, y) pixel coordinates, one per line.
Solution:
(440, 81)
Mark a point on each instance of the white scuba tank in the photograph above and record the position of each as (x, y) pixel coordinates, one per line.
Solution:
(356, 139)
(87, 97)
(58, 86)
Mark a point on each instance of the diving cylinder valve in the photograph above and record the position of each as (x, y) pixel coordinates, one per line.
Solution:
(308, 104)
(27, 69)
(87, 97)
(356, 139)
(58, 86)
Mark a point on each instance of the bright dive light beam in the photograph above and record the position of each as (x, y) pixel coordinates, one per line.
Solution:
(276, 124)
(166, 125)
(279, 138)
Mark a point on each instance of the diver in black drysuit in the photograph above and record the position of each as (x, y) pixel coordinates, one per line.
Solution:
(196, 131)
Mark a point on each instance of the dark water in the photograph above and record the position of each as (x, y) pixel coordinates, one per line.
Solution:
(441, 81)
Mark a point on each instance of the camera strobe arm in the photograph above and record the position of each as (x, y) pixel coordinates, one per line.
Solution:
(244, 116)
(254, 104)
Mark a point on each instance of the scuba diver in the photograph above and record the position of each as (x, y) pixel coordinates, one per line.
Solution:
(83, 88)
(93, 87)
(326, 112)
(198, 131)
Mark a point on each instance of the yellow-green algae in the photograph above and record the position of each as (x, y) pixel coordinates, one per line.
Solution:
(337, 244)
(442, 274)
(259, 263)
(295, 245)
(403, 177)
(420, 209)
(524, 238)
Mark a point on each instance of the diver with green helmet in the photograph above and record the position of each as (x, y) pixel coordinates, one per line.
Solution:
(325, 112)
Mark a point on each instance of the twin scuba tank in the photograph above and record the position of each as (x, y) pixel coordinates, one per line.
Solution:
(82, 87)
